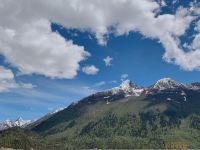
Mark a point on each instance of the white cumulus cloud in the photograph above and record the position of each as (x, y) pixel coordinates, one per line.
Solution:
(90, 70)
(27, 42)
(108, 60)
(97, 17)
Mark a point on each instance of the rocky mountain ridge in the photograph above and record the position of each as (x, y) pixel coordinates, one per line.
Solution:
(8, 123)
(168, 88)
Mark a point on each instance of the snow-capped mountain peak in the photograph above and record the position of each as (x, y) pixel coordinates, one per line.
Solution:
(166, 83)
(21, 122)
(126, 85)
(194, 86)
(128, 88)
(8, 123)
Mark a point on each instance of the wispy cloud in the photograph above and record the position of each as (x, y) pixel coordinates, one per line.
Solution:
(124, 77)
(8, 82)
(113, 81)
(100, 83)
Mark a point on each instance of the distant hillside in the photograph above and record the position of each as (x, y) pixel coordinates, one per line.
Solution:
(164, 115)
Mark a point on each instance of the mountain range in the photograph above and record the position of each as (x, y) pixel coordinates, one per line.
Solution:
(163, 115)
(8, 123)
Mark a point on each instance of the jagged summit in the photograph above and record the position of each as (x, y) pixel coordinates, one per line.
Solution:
(21, 122)
(19, 119)
(167, 83)
(127, 84)
(197, 84)
(128, 88)
(8, 123)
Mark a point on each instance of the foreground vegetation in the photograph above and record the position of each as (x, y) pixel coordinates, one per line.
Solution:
(143, 130)
(127, 123)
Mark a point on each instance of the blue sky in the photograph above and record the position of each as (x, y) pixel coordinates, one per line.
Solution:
(138, 53)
